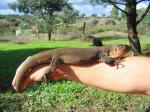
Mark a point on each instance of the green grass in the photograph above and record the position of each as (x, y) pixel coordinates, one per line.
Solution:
(60, 96)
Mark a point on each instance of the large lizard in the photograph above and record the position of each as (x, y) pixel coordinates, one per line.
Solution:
(74, 56)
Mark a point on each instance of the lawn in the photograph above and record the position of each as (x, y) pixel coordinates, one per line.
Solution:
(60, 96)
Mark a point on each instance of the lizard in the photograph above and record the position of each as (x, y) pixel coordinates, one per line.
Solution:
(108, 54)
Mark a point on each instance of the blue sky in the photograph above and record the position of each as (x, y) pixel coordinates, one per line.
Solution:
(83, 6)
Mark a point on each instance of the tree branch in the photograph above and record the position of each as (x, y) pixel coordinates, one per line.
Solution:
(141, 1)
(118, 3)
(113, 3)
(43, 15)
(143, 15)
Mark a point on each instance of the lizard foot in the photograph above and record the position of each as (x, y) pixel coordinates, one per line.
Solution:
(46, 75)
(117, 63)
(53, 65)
(111, 61)
(46, 78)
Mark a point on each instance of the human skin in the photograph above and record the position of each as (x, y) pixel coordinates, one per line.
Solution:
(132, 76)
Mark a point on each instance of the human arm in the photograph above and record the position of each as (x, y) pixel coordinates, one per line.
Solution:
(132, 76)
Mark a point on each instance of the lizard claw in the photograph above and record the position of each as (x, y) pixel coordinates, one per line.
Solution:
(47, 76)
(110, 61)
(44, 78)
(117, 63)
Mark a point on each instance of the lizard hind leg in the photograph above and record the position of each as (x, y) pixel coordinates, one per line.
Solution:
(53, 66)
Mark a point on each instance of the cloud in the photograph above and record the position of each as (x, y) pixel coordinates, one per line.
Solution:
(4, 3)
(109, 7)
(79, 1)
(83, 6)
(86, 7)
(7, 11)
(4, 9)
(89, 9)
(142, 5)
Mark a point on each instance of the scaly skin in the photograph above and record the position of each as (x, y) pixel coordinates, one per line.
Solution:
(107, 54)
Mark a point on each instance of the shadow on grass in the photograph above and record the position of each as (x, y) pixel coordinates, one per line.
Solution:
(9, 61)
(4, 40)
(146, 50)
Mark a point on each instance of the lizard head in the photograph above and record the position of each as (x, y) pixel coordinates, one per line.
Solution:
(119, 51)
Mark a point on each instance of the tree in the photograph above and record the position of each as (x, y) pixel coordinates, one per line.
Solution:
(103, 15)
(94, 15)
(123, 15)
(82, 15)
(114, 12)
(132, 19)
(145, 25)
(45, 8)
(147, 18)
(68, 15)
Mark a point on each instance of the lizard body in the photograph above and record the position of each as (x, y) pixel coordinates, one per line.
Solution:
(107, 54)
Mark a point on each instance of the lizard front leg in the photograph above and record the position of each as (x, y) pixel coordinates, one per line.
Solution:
(108, 60)
(53, 66)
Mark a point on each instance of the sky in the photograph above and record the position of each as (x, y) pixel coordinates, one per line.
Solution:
(83, 6)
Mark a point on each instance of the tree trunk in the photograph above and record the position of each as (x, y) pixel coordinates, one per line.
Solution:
(50, 26)
(38, 30)
(132, 25)
(84, 25)
(49, 31)
(49, 35)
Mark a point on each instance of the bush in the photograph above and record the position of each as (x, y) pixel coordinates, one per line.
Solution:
(143, 29)
(110, 22)
(61, 30)
(94, 21)
(98, 30)
(6, 27)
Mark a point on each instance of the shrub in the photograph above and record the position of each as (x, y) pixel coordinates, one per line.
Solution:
(98, 30)
(94, 21)
(110, 22)
(6, 27)
(61, 30)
